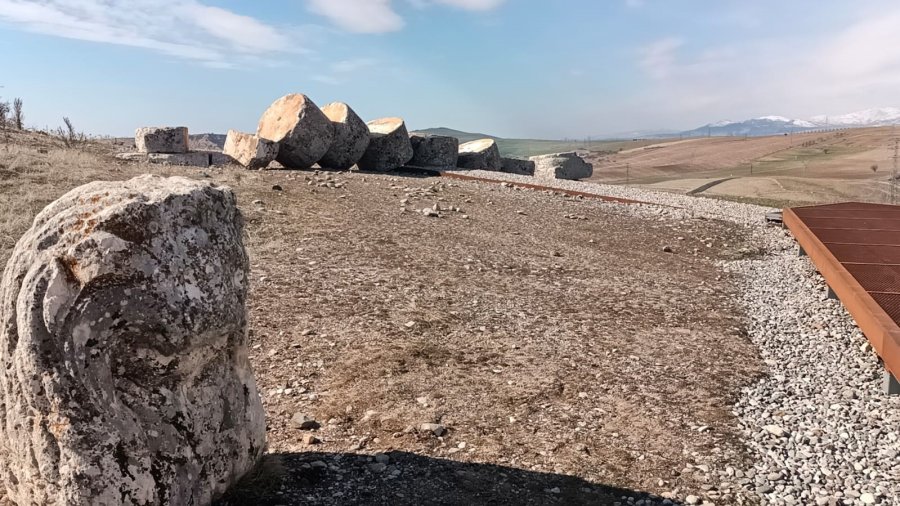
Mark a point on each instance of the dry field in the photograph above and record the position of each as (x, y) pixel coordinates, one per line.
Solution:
(786, 170)
(571, 361)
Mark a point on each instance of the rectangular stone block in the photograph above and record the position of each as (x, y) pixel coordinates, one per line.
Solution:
(250, 150)
(193, 159)
(161, 139)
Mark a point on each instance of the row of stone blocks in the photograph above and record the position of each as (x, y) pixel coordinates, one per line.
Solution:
(298, 134)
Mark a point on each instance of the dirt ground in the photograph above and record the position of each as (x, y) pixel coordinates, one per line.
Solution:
(568, 359)
(824, 167)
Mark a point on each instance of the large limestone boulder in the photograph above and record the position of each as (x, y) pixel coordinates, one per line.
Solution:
(303, 133)
(517, 166)
(192, 159)
(481, 154)
(389, 145)
(561, 166)
(250, 150)
(351, 137)
(434, 150)
(161, 139)
(124, 373)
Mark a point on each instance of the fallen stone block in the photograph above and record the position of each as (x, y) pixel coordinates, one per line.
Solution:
(218, 158)
(389, 146)
(161, 139)
(517, 166)
(561, 166)
(303, 133)
(437, 151)
(481, 154)
(351, 137)
(192, 159)
(132, 157)
(125, 375)
(250, 150)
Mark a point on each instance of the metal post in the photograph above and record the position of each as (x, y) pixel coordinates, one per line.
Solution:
(891, 385)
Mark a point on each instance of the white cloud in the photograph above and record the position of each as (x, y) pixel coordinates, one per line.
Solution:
(634, 3)
(186, 29)
(658, 58)
(343, 70)
(472, 5)
(360, 16)
(379, 16)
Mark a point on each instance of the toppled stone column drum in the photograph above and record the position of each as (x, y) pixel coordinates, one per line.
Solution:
(389, 145)
(482, 154)
(438, 151)
(351, 137)
(124, 372)
(302, 131)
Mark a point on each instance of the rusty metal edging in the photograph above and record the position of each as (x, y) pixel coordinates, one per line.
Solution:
(879, 328)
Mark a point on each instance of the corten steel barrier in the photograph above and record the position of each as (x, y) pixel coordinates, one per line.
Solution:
(856, 248)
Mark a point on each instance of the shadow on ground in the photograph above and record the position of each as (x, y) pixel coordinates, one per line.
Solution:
(410, 479)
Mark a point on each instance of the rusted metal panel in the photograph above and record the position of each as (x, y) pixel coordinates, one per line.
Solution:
(860, 264)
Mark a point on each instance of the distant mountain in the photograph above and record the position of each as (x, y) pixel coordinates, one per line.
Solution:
(449, 132)
(765, 125)
(207, 142)
(884, 116)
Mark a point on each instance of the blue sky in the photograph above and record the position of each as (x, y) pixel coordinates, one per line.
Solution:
(515, 68)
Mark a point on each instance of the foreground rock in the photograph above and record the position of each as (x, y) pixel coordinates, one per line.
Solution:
(351, 137)
(303, 133)
(481, 154)
(161, 139)
(517, 166)
(192, 159)
(125, 377)
(561, 166)
(250, 150)
(389, 145)
(434, 151)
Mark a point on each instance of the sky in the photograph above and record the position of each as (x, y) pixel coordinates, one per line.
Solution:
(512, 68)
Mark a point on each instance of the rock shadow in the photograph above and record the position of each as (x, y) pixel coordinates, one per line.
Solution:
(404, 478)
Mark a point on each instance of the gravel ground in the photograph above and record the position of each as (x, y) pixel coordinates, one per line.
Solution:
(818, 424)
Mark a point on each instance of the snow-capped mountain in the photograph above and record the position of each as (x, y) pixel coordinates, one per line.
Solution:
(764, 125)
(870, 117)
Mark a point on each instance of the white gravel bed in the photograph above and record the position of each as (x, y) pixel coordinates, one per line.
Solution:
(822, 430)
(697, 206)
(819, 427)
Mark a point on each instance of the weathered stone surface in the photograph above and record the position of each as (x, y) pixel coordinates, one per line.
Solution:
(303, 133)
(218, 158)
(124, 371)
(517, 166)
(192, 159)
(434, 150)
(250, 150)
(561, 166)
(132, 157)
(389, 145)
(161, 139)
(351, 137)
(481, 154)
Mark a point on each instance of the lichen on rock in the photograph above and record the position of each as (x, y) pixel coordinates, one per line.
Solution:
(124, 372)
